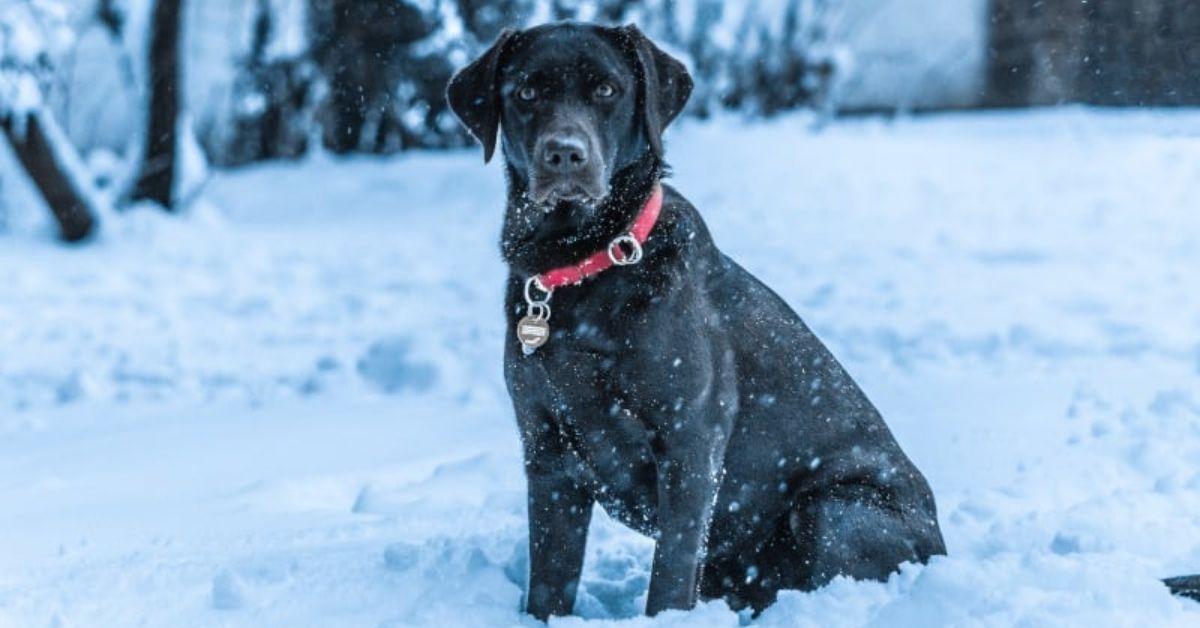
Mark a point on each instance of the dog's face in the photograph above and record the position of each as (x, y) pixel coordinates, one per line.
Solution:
(574, 105)
(567, 99)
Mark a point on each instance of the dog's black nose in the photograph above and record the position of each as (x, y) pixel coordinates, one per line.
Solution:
(564, 153)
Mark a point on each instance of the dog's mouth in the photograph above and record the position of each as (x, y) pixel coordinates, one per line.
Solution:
(550, 195)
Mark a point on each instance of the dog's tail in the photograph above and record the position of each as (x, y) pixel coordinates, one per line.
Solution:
(1185, 586)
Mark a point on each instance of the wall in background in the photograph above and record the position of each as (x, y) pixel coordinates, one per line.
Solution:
(1110, 52)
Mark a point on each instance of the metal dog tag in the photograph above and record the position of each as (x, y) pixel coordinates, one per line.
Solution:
(533, 332)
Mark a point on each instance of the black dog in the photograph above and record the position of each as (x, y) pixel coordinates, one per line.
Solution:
(673, 388)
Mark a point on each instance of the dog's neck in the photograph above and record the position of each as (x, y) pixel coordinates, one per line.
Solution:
(532, 243)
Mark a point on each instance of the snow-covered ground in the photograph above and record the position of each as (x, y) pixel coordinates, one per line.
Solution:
(286, 409)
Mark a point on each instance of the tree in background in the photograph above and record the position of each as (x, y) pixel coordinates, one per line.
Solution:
(35, 38)
(365, 51)
(386, 62)
(374, 73)
(157, 177)
(275, 96)
(28, 37)
(780, 58)
(369, 75)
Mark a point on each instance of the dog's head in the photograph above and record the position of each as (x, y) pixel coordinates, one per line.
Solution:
(574, 104)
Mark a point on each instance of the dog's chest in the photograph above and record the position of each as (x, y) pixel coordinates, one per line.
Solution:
(596, 396)
(639, 359)
(594, 360)
(621, 367)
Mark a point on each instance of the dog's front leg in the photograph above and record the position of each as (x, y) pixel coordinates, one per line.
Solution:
(689, 475)
(560, 510)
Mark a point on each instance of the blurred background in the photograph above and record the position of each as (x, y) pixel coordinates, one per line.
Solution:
(253, 80)
(251, 301)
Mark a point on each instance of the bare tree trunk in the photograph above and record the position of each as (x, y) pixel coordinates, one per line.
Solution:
(54, 167)
(156, 181)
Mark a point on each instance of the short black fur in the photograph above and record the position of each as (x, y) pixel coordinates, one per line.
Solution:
(681, 394)
(1185, 586)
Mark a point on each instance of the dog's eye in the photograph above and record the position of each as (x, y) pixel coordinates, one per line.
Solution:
(605, 90)
(527, 94)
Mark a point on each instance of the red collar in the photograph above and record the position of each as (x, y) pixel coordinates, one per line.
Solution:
(614, 255)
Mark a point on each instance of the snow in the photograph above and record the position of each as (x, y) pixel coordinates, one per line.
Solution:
(286, 408)
(190, 160)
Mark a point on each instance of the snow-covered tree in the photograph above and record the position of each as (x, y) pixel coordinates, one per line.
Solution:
(387, 61)
(32, 33)
(163, 163)
(274, 94)
(376, 72)
(372, 73)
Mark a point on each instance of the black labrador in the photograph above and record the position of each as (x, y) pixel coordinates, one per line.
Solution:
(670, 386)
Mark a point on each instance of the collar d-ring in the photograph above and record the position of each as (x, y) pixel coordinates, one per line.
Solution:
(617, 254)
(536, 282)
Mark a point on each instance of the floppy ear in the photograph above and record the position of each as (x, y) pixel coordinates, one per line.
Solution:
(665, 85)
(474, 94)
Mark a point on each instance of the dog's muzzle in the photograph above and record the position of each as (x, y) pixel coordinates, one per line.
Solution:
(566, 168)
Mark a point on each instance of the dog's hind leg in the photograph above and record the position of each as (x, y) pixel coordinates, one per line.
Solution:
(754, 578)
(861, 532)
